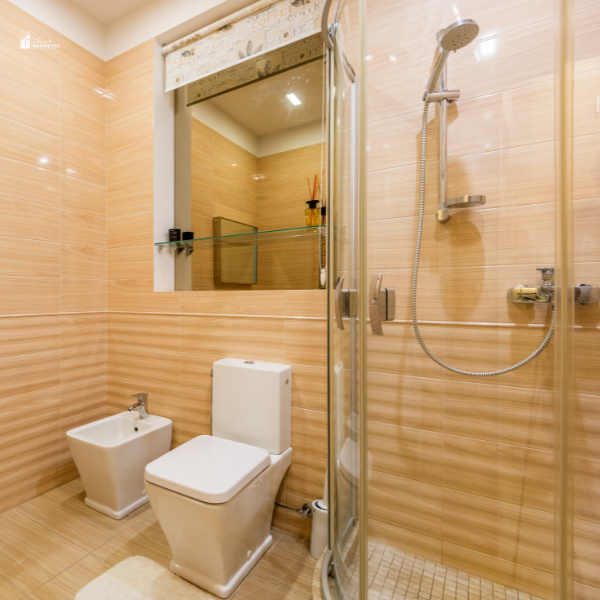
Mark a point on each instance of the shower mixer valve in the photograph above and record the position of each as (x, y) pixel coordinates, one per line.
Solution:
(544, 293)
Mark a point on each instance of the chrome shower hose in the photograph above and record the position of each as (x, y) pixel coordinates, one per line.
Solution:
(415, 323)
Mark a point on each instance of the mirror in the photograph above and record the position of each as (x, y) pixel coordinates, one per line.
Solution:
(247, 161)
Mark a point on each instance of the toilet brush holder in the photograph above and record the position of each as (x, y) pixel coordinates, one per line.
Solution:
(320, 529)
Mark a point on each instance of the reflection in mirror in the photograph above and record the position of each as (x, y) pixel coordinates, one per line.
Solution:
(247, 164)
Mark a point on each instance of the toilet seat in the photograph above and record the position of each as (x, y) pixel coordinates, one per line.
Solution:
(209, 469)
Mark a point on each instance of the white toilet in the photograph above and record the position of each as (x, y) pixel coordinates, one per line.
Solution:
(214, 495)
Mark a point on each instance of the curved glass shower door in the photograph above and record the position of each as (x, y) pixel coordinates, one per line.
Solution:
(344, 380)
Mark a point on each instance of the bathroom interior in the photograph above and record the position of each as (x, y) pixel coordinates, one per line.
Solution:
(309, 302)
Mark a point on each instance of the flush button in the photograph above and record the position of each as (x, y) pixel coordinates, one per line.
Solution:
(248, 362)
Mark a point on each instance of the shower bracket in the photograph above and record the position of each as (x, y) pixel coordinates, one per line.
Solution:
(449, 95)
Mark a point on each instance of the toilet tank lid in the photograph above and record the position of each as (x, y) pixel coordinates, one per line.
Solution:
(208, 468)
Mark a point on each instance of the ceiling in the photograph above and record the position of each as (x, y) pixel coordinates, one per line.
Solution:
(108, 11)
(264, 108)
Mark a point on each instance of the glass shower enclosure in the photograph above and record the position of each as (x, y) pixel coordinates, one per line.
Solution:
(444, 483)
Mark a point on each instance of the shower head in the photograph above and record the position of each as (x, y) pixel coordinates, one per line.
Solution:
(453, 38)
(464, 201)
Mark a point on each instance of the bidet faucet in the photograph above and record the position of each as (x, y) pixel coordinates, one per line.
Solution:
(142, 404)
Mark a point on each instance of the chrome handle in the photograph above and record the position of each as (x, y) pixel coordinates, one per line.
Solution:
(142, 397)
(338, 297)
(382, 304)
(374, 315)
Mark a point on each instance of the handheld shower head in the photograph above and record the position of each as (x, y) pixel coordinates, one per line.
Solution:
(453, 38)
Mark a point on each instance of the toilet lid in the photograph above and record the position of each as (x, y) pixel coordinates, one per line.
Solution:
(208, 468)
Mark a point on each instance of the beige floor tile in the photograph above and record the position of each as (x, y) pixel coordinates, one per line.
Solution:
(63, 511)
(66, 585)
(31, 554)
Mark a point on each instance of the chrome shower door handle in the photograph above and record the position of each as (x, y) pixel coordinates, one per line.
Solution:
(337, 302)
(382, 304)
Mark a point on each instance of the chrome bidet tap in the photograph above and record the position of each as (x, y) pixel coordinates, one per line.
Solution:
(142, 405)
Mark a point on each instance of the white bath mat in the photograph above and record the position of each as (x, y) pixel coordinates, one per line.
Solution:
(139, 578)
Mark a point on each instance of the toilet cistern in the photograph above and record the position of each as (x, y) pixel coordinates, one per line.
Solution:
(142, 405)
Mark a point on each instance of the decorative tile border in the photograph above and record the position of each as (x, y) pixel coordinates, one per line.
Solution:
(247, 34)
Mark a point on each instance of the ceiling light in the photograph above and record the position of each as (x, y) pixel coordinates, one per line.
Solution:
(369, 57)
(43, 160)
(392, 58)
(293, 99)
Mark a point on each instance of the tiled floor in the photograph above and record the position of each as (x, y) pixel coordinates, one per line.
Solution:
(397, 575)
(52, 546)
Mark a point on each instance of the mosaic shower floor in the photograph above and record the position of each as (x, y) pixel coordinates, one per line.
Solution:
(398, 575)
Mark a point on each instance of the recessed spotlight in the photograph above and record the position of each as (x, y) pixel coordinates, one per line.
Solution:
(369, 57)
(293, 99)
(233, 165)
(43, 160)
(392, 58)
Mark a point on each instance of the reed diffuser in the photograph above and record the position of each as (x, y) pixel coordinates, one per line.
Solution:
(312, 212)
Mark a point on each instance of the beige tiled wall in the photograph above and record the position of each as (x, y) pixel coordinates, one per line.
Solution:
(165, 343)
(53, 254)
(463, 468)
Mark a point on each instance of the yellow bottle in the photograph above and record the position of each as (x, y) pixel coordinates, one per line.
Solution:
(312, 213)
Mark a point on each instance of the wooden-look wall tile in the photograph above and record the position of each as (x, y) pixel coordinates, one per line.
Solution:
(29, 483)
(309, 431)
(30, 409)
(82, 229)
(405, 400)
(82, 196)
(82, 396)
(424, 546)
(130, 97)
(79, 94)
(144, 364)
(309, 388)
(509, 415)
(131, 262)
(137, 295)
(399, 352)
(221, 302)
(144, 331)
(30, 69)
(31, 446)
(124, 167)
(406, 452)
(28, 145)
(253, 338)
(83, 330)
(81, 63)
(586, 488)
(79, 262)
(406, 503)
(28, 373)
(131, 230)
(27, 220)
(29, 295)
(36, 110)
(82, 163)
(131, 65)
(28, 335)
(130, 133)
(306, 342)
(41, 260)
(78, 295)
(586, 426)
(306, 476)
(585, 167)
(587, 555)
(130, 197)
(27, 182)
(82, 130)
(309, 303)
(87, 362)
(196, 369)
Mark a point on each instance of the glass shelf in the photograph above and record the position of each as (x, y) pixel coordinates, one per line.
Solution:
(246, 239)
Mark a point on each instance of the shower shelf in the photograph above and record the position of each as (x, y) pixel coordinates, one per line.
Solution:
(247, 239)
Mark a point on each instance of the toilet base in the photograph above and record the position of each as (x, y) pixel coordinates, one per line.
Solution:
(116, 514)
(223, 591)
